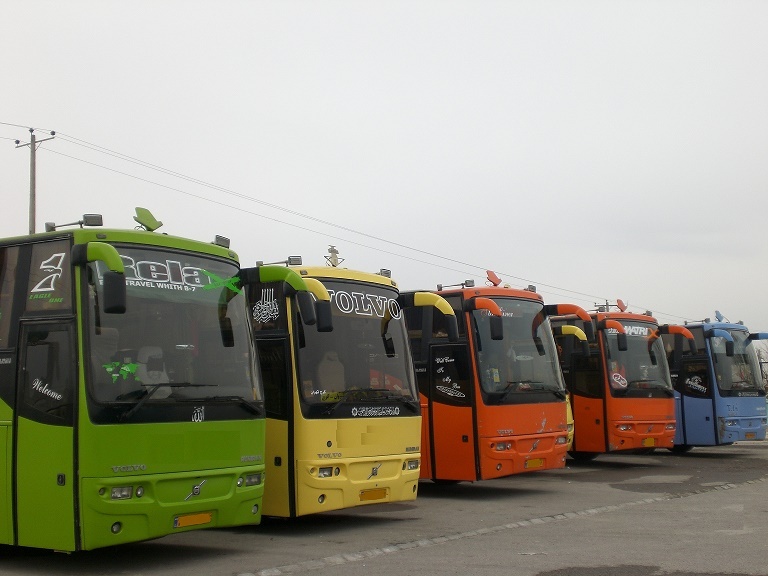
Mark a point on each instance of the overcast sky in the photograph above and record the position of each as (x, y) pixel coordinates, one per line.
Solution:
(599, 150)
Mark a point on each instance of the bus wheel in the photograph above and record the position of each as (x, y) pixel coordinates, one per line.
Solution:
(681, 448)
(645, 451)
(440, 482)
(583, 456)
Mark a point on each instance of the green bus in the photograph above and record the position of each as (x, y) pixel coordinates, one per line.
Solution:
(131, 403)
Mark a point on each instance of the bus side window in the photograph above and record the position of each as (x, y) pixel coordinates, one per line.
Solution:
(49, 375)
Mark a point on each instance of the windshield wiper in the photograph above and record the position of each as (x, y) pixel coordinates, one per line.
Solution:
(527, 386)
(237, 399)
(409, 402)
(147, 393)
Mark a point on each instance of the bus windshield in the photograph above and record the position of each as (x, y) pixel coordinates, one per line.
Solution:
(363, 366)
(184, 336)
(641, 370)
(512, 370)
(737, 375)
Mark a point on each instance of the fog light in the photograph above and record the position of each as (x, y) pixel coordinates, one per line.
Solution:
(253, 479)
(413, 464)
(116, 527)
(498, 466)
(325, 472)
(255, 509)
(321, 498)
(122, 492)
(139, 491)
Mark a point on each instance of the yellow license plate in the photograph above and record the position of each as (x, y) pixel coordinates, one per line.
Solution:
(647, 442)
(373, 494)
(750, 436)
(192, 519)
(533, 463)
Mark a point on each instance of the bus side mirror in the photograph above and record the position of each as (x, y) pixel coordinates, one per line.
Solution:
(621, 340)
(497, 328)
(227, 334)
(307, 307)
(453, 328)
(324, 315)
(114, 293)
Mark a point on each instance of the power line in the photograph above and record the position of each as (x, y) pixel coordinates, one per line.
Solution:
(100, 149)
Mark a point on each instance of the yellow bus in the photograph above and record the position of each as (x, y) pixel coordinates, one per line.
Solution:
(343, 414)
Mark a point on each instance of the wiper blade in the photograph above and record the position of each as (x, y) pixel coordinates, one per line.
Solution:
(406, 401)
(253, 409)
(527, 386)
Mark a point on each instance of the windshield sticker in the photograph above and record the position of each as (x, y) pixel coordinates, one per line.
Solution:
(170, 275)
(41, 387)
(633, 331)
(45, 288)
(368, 411)
(695, 383)
(363, 304)
(449, 387)
(118, 369)
(198, 414)
(217, 282)
(266, 309)
(52, 266)
(618, 380)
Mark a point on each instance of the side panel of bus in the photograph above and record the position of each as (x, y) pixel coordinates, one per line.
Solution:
(45, 481)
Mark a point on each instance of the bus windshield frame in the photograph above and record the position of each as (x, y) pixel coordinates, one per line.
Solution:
(363, 367)
(523, 367)
(184, 339)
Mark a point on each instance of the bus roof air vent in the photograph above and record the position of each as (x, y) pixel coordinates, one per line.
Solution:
(146, 220)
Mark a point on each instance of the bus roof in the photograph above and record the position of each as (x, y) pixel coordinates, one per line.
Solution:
(330, 272)
(115, 236)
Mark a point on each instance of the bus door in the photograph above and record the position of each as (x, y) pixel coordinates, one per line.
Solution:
(450, 413)
(587, 403)
(697, 408)
(45, 483)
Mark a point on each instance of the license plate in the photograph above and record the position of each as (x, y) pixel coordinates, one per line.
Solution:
(750, 435)
(533, 463)
(647, 442)
(192, 519)
(373, 494)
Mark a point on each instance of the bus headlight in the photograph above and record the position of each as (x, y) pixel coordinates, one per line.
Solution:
(671, 426)
(624, 427)
(122, 492)
(413, 464)
(561, 440)
(325, 472)
(501, 446)
(252, 479)
(731, 422)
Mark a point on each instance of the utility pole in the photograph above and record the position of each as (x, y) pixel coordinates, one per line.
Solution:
(32, 170)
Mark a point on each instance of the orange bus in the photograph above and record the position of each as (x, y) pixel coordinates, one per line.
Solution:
(620, 388)
(493, 403)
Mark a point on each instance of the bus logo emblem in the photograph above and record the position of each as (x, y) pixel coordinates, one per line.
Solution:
(374, 471)
(195, 490)
(54, 267)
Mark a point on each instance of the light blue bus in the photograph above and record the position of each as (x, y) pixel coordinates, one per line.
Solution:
(719, 390)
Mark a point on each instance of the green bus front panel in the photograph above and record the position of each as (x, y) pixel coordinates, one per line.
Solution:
(143, 481)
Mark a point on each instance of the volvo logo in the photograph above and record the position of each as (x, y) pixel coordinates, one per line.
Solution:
(195, 490)
(374, 471)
